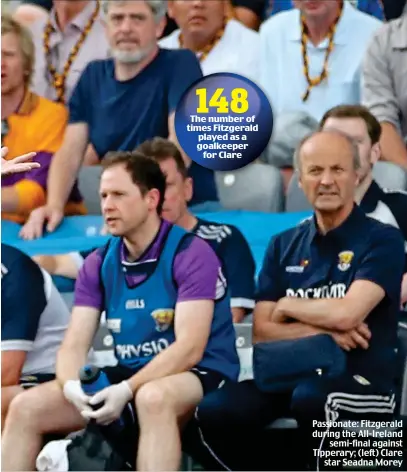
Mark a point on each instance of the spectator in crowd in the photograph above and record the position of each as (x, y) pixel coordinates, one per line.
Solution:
(18, 164)
(249, 12)
(168, 309)
(384, 87)
(387, 206)
(30, 11)
(371, 7)
(317, 47)
(29, 123)
(221, 43)
(338, 272)
(226, 240)
(70, 37)
(121, 102)
(33, 322)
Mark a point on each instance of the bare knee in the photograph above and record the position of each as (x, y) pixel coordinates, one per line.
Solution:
(152, 399)
(31, 406)
(23, 410)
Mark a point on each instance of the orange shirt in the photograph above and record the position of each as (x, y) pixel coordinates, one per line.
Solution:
(39, 126)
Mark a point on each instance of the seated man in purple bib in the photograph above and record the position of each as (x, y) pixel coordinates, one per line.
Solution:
(167, 307)
(226, 240)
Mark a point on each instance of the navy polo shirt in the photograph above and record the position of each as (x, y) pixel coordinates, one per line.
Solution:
(123, 114)
(302, 262)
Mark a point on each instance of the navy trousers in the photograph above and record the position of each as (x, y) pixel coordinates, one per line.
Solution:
(232, 419)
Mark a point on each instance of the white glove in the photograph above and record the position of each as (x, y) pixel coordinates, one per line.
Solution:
(74, 394)
(114, 399)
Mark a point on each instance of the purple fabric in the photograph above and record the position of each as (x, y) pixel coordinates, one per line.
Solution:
(37, 175)
(196, 269)
(40, 176)
(87, 286)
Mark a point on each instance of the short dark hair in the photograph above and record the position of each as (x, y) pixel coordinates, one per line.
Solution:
(144, 171)
(356, 111)
(161, 149)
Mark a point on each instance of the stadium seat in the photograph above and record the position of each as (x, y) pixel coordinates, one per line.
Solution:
(295, 199)
(256, 187)
(244, 349)
(103, 353)
(89, 178)
(390, 176)
(289, 129)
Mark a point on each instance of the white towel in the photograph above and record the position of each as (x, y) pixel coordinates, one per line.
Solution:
(54, 457)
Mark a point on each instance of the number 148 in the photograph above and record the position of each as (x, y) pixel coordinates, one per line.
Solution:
(238, 104)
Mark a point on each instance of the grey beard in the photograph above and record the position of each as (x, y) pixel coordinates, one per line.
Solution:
(131, 57)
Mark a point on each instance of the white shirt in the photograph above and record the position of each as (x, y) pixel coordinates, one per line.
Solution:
(282, 76)
(237, 52)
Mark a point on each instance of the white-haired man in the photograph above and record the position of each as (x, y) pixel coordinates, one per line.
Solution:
(121, 102)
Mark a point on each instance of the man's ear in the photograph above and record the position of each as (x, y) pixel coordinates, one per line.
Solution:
(153, 198)
(358, 177)
(188, 189)
(170, 10)
(299, 179)
(160, 27)
(375, 153)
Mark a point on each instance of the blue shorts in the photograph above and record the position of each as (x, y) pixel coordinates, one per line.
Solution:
(209, 379)
(32, 380)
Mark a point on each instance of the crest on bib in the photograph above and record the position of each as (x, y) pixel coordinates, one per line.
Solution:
(345, 259)
(163, 318)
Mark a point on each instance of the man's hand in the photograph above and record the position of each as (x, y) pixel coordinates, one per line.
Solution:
(114, 399)
(18, 164)
(74, 394)
(358, 337)
(34, 227)
(278, 315)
